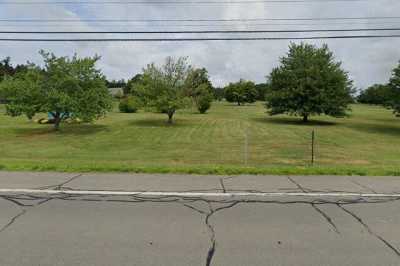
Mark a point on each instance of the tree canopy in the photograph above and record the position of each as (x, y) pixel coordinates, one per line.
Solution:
(195, 78)
(309, 81)
(65, 88)
(202, 97)
(262, 90)
(163, 87)
(199, 88)
(241, 92)
(7, 69)
(132, 85)
(218, 93)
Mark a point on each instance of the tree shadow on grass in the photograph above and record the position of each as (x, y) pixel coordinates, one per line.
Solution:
(159, 123)
(385, 120)
(387, 129)
(241, 105)
(76, 129)
(293, 121)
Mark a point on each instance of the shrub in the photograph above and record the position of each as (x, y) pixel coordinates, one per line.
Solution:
(128, 105)
(203, 98)
(204, 104)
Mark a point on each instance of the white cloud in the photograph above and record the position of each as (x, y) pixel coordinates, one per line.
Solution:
(368, 60)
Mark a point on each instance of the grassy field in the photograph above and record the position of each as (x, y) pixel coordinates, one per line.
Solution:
(228, 140)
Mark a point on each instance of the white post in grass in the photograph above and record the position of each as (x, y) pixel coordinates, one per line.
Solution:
(246, 144)
(312, 147)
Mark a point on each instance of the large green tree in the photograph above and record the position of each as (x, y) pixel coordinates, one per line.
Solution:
(309, 81)
(163, 87)
(199, 88)
(394, 85)
(241, 92)
(65, 88)
(195, 78)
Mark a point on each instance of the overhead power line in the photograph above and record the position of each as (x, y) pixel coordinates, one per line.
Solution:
(197, 39)
(199, 31)
(199, 20)
(171, 2)
(243, 24)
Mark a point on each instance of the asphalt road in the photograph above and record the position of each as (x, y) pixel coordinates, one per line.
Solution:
(108, 219)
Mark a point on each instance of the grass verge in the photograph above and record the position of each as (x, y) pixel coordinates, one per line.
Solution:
(205, 169)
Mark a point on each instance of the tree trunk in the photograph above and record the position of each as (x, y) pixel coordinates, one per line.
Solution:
(238, 100)
(170, 115)
(305, 118)
(57, 121)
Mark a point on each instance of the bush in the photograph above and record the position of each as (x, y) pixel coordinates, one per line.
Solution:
(128, 105)
(204, 103)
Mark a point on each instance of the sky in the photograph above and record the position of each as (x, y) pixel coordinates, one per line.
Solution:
(368, 61)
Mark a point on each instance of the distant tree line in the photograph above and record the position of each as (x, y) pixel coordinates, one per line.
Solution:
(121, 83)
(387, 95)
(378, 94)
(7, 69)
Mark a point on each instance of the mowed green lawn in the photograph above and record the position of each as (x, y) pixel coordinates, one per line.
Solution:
(367, 142)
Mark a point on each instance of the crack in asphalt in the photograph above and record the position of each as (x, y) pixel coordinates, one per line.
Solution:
(13, 219)
(187, 200)
(194, 208)
(329, 220)
(212, 249)
(363, 186)
(370, 230)
(326, 217)
(221, 181)
(15, 198)
(211, 230)
(308, 190)
(15, 201)
(318, 210)
(61, 185)
(305, 190)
